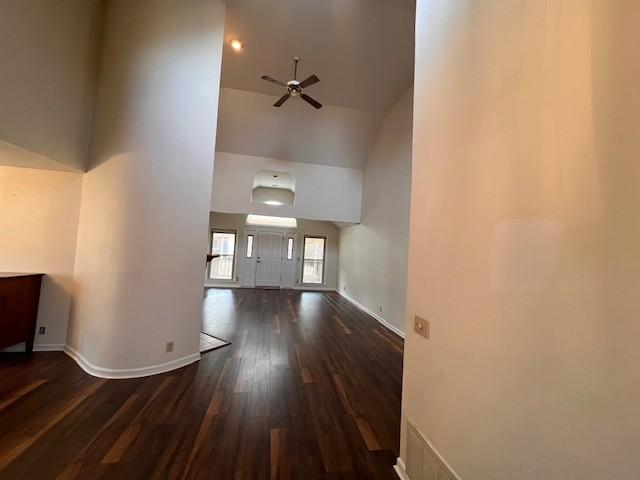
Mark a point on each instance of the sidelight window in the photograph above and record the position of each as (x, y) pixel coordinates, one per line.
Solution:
(290, 249)
(250, 246)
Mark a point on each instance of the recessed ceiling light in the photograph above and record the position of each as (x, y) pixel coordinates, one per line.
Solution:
(236, 44)
(274, 203)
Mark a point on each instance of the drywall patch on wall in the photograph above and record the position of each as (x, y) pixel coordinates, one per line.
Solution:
(524, 254)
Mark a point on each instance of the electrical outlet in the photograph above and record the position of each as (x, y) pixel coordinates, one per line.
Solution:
(422, 326)
(344, 288)
(169, 347)
(41, 330)
(380, 308)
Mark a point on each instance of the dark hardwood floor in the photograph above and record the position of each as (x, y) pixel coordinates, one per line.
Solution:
(309, 389)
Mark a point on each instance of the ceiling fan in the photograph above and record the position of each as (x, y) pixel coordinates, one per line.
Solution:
(295, 88)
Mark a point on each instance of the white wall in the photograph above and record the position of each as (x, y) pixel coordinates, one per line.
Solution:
(237, 223)
(146, 196)
(525, 238)
(322, 192)
(48, 55)
(373, 255)
(296, 132)
(38, 227)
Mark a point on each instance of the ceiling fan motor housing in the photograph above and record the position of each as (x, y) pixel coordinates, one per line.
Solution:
(294, 87)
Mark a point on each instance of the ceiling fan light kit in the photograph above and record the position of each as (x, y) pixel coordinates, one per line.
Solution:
(295, 88)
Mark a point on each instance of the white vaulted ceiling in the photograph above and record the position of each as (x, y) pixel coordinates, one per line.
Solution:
(362, 50)
(337, 136)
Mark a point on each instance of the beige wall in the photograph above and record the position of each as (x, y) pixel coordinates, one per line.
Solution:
(146, 196)
(237, 222)
(373, 254)
(525, 238)
(38, 227)
(48, 55)
(321, 229)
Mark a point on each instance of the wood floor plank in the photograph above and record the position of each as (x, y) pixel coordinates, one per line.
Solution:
(342, 394)
(279, 446)
(368, 434)
(310, 388)
(19, 448)
(123, 442)
(73, 469)
(14, 397)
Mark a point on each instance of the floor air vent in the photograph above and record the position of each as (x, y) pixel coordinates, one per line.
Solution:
(423, 462)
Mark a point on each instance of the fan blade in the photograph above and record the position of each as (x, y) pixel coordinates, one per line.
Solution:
(273, 80)
(310, 100)
(309, 81)
(283, 99)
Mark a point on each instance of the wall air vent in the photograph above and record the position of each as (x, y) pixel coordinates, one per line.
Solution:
(423, 462)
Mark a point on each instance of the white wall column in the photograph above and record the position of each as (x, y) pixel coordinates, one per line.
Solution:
(145, 199)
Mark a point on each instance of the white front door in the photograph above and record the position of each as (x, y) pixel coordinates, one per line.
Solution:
(269, 259)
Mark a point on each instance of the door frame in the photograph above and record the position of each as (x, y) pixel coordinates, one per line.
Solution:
(247, 268)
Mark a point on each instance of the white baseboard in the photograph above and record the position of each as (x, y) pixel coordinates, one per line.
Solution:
(391, 327)
(308, 288)
(312, 288)
(42, 347)
(49, 347)
(223, 285)
(401, 469)
(129, 372)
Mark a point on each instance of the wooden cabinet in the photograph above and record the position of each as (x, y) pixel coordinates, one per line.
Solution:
(19, 297)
